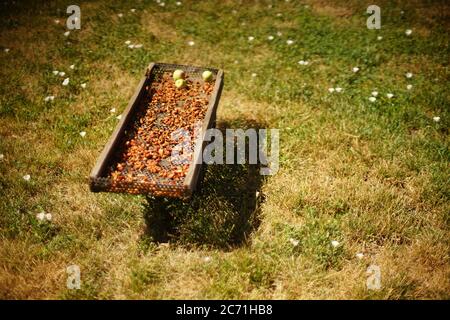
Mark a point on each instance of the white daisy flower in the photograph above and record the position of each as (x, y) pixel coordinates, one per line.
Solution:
(48, 216)
(436, 119)
(335, 243)
(379, 38)
(66, 34)
(83, 85)
(408, 32)
(2, 156)
(338, 89)
(191, 43)
(270, 38)
(360, 255)
(127, 42)
(408, 75)
(251, 38)
(289, 42)
(119, 117)
(133, 10)
(65, 82)
(409, 86)
(6, 50)
(389, 95)
(131, 46)
(294, 242)
(355, 69)
(374, 93)
(26, 177)
(55, 72)
(40, 216)
(330, 90)
(372, 99)
(72, 66)
(83, 134)
(61, 73)
(120, 15)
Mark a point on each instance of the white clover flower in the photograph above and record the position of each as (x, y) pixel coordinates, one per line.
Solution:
(390, 95)
(48, 216)
(61, 73)
(137, 46)
(294, 242)
(40, 216)
(127, 42)
(2, 156)
(236, 61)
(56, 21)
(355, 69)
(119, 117)
(360, 255)
(207, 259)
(131, 46)
(379, 38)
(408, 75)
(254, 75)
(55, 72)
(65, 82)
(72, 66)
(270, 38)
(436, 119)
(191, 43)
(409, 86)
(251, 38)
(279, 14)
(289, 42)
(335, 243)
(120, 15)
(26, 177)
(113, 110)
(162, 4)
(372, 99)
(178, 3)
(66, 34)
(83, 85)
(374, 93)
(83, 134)
(279, 33)
(133, 10)
(408, 32)
(6, 50)
(49, 98)
(338, 89)
(330, 90)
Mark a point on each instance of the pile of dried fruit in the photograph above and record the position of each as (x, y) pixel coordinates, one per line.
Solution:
(146, 153)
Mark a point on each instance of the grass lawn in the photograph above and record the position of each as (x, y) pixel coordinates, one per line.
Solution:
(371, 177)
